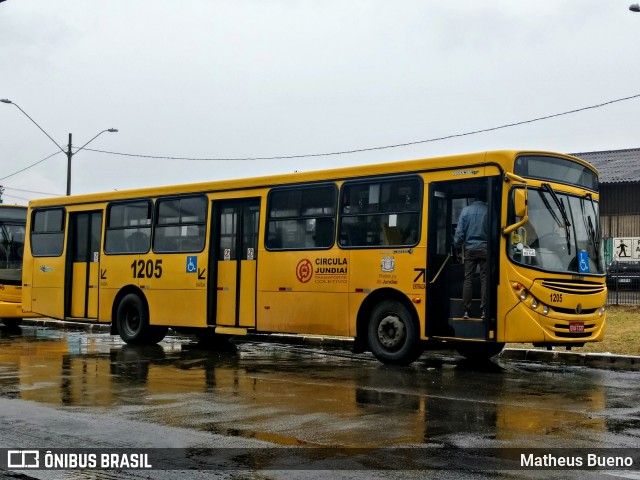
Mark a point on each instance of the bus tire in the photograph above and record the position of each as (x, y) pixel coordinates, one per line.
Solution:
(133, 322)
(393, 334)
(479, 352)
(12, 322)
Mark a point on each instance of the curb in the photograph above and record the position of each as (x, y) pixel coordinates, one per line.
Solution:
(591, 360)
(86, 327)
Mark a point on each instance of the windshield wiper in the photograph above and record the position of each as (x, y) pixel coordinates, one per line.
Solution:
(565, 218)
(592, 231)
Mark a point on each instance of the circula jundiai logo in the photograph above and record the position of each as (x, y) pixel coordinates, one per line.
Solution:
(304, 271)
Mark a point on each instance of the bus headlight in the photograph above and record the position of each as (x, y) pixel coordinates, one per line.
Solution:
(523, 295)
(534, 303)
(545, 309)
(600, 311)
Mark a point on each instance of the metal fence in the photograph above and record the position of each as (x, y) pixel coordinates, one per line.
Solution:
(623, 297)
(623, 283)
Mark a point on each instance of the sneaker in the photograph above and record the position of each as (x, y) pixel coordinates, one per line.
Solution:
(466, 315)
(484, 315)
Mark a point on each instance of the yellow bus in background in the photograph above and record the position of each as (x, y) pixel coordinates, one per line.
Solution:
(12, 227)
(362, 252)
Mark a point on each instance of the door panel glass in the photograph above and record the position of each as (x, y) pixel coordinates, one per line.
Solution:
(250, 220)
(228, 233)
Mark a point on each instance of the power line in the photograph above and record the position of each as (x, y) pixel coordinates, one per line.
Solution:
(30, 166)
(13, 196)
(358, 150)
(33, 191)
(344, 152)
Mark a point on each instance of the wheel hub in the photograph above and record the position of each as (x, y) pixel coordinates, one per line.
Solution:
(391, 331)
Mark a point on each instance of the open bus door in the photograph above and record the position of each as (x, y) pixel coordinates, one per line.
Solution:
(445, 271)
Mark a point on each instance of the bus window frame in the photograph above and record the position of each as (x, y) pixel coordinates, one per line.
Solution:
(62, 232)
(295, 187)
(517, 166)
(380, 180)
(150, 202)
(156, 217)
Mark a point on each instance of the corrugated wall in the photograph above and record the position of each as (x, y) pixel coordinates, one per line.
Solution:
(620, 225)
(620, 209)
(620, 199)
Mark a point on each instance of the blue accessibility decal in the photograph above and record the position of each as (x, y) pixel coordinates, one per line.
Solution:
(583, 261)
(192, 264)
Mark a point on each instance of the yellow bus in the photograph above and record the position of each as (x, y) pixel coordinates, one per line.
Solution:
(363, 252)
(12, 227)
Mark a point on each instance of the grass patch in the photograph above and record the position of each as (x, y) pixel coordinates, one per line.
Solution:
(621, 337)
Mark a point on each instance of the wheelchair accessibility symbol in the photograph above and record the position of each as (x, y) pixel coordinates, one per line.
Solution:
(583, 261)
(192, 264)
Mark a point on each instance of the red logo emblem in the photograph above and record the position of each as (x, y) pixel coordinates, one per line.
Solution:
(304, 271)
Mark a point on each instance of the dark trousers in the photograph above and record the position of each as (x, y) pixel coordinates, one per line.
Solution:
(472, 258)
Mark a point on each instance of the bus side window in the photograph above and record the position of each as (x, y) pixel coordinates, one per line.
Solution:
(180, 224)
(47, 232)
(386, 212)
(128, 227)
(301, 218)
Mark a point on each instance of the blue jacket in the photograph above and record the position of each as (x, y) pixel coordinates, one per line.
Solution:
(472, 227)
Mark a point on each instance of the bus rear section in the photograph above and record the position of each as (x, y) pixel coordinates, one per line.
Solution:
(12, 234)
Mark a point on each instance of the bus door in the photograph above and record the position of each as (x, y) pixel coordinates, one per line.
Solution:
(232, 262)
(83, 265)
(445, 269)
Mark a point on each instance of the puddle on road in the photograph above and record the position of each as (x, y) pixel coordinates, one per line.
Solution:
(292, 396)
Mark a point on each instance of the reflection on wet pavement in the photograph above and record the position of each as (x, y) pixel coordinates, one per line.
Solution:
(303, 396)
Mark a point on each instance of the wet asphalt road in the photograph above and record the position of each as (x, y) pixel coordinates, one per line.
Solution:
(71, 389)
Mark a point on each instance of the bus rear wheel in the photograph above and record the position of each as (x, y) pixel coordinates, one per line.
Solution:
(479, 352)
(133, 322)
(393, 334)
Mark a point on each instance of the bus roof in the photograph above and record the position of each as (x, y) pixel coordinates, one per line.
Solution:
(501, 157)
(12, 212)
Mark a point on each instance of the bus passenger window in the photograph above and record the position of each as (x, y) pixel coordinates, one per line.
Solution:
(301, 218)
(47, 233)
(128, 227)
(380, 213)
(180, 225)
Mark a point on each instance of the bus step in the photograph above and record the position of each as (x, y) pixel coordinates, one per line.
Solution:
(231, 330)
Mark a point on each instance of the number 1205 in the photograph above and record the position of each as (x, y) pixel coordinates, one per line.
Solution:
(556, 297)
(148, 269)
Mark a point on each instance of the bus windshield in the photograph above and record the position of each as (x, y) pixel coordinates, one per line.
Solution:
(11, 251)
(562, 233)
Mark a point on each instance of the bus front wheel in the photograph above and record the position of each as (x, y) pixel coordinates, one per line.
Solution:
(133, 322)
(393, 334)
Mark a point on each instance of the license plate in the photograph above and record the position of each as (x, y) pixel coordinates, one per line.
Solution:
(624, 280)
(576, 327)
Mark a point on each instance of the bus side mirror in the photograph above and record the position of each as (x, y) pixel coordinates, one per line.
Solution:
(519, 210)
(520, 202)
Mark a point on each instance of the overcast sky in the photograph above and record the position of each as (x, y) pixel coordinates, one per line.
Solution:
(268, 78)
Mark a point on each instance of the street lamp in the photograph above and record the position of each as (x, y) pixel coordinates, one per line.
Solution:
(68, 152)
(634, 7)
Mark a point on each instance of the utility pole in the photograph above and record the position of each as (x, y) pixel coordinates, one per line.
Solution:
(69, 155)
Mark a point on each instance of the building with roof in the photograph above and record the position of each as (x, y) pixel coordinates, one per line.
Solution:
(619, 192)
